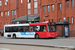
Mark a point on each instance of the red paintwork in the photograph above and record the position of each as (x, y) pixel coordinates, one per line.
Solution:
(44, 34)
(31, 24)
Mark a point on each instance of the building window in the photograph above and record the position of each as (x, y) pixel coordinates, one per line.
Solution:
(35, 0)
(35, 7)
(72, 20)
(48, 8)
(43, 8)
(5, 13)
(73, 3)
(29, 7)
(29, 11)
(0, 3)
(52, 20)
(29, 1)
(35, 11)
(59, 6)
(67, 4)
(52, 7)
(8, 13)
(21, 1)
(68, 19)
(6, 2)
(14, 12)
(60, 19)
(1, 14)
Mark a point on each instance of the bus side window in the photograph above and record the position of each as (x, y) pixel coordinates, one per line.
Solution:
(7, 29)
(27, 28)
(11, 30)
(36, 28)
(43, 28)
(24, 29)
(30, 28)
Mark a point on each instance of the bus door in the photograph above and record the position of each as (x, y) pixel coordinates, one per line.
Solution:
(41, 30)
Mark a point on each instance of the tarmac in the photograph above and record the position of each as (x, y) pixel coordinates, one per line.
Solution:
(4, 49)
(65, 47)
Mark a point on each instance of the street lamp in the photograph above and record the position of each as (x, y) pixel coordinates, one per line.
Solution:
(27, 11)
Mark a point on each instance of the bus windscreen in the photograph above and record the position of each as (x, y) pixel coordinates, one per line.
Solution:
(51, 27)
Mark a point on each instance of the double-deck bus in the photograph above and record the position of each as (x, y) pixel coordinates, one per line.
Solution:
(31, 30)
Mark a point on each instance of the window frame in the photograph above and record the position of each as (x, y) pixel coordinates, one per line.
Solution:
(12, 12)
(72, 18)
(29, 13)
(59, 7)
(8, 13)
(1, 14)
(68, 19)
(43, 9)
(48, 7)
(36, 11)
(53, 8)
(21, 1)
(36, 8)
(29, 1)
(67, 4)
(1, 3)
(6, 2)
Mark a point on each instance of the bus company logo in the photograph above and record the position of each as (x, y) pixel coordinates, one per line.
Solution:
(23, 33)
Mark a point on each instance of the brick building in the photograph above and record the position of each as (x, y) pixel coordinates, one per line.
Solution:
(57, 10)
(49, 10)
(13, 9)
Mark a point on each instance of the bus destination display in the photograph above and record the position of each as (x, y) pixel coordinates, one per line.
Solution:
(51, 23)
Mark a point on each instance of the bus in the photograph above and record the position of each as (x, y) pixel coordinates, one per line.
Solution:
(31, 30)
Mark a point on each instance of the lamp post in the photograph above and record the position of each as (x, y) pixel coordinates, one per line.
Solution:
(27, 11)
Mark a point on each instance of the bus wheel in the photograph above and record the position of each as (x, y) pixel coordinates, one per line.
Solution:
(36, 36)
(14, 36)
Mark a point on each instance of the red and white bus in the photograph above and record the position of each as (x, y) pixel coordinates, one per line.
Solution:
(31, 30)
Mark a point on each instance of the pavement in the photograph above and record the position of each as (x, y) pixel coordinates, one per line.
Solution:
(22, 47)
(54, 43)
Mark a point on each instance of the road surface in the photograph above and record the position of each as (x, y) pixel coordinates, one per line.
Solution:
(56, 42)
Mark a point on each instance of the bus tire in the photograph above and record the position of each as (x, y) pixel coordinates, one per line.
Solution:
(14, 36)
(36, 36)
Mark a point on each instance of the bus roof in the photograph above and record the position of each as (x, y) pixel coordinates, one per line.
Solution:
(26, 24)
